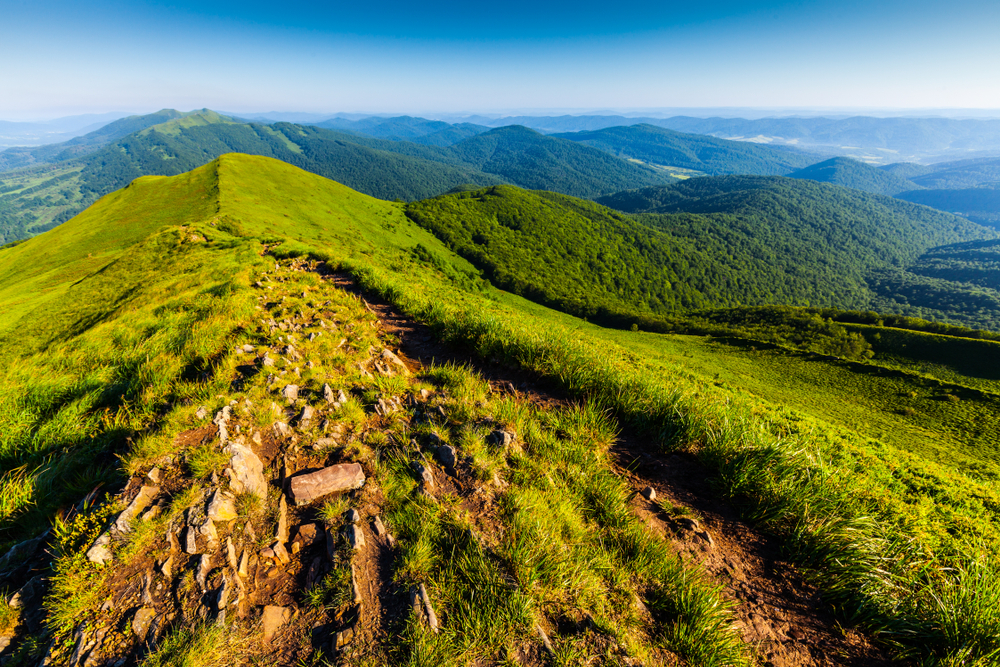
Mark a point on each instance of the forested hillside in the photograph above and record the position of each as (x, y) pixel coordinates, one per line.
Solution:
(706, 154)
(727, 241)
(535, 161)
(856, 175)
(18, 158)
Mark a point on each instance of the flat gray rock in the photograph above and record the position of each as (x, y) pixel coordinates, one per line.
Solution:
(334, 479)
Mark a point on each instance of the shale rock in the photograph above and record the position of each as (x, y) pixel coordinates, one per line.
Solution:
(334, 479)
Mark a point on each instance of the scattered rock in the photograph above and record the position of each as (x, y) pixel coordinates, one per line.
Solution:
(355, 536)
(266, 360)
(355, 589)
(281, 553)
(282, 532)
(423, 474)
(379, 527)
(190, 541)
(202, 413)
(334, 479)
(305, 419)
(352, 516)
(649, 493)
(100, 551)
(502, 439)
(391, 358)
(168, 567)
(282, 430)
(144, 498)
(141, 622)
(706, 538)
(447, 456)
(432, 621)
(343, 637)
(273, 618)
(247, 471)
(204, 567)
(221, 508)
(155, 475)
(21, 552)
(687, 523)
(291, 393)
(307, 534)
(328, 394)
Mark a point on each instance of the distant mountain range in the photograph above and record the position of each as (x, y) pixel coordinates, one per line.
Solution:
(44, 186)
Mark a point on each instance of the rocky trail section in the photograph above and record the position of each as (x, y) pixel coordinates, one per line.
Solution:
(345, 500)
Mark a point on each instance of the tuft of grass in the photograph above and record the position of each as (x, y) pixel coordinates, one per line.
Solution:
(332, 511)
(206, 459)
(201, 646)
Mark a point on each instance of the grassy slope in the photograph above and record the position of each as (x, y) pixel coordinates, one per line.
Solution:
(141, 350)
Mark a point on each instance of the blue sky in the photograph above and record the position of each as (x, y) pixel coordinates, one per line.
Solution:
(407, 57)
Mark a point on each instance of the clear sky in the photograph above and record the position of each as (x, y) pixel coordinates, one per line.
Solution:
(62, 57)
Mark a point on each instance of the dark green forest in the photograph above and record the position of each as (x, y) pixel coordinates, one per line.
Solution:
(857, 175)
(781, 242)
(702, 153)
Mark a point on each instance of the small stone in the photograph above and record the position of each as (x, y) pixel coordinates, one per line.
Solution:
(244, 563)
(352, 516)
(447, 456)
(155, 475)
(248, 470)
(305, 419)
(649, 493)
(202, 413)
(267, 552)
(282, 430)
(355, 536)
(142, 500)
(266, 360)
(168, 567)
(706, 538)
(204, 567)
(432, 621)
(425, 394)
(282, 533)
(341, 396)
(100, 551)
(502, 439)
(328, 394)
(141, 622)
(423, 474)
(291, 393)
(388, 356)
(231, 552)
(221, 508)
(273, 618)
(281, 553)
(343, 637)
(190, 541)
(333, 479)
(247, 349)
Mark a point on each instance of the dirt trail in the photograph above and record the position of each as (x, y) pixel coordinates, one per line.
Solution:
(778, 613)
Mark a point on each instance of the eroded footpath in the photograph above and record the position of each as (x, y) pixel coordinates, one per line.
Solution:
(362, 494)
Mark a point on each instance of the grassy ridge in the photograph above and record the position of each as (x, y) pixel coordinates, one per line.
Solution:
(875, 526)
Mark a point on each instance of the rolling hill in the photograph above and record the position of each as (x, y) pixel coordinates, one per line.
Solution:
(535, 161)
(722, 241)
(709, 155)
(856, 175)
